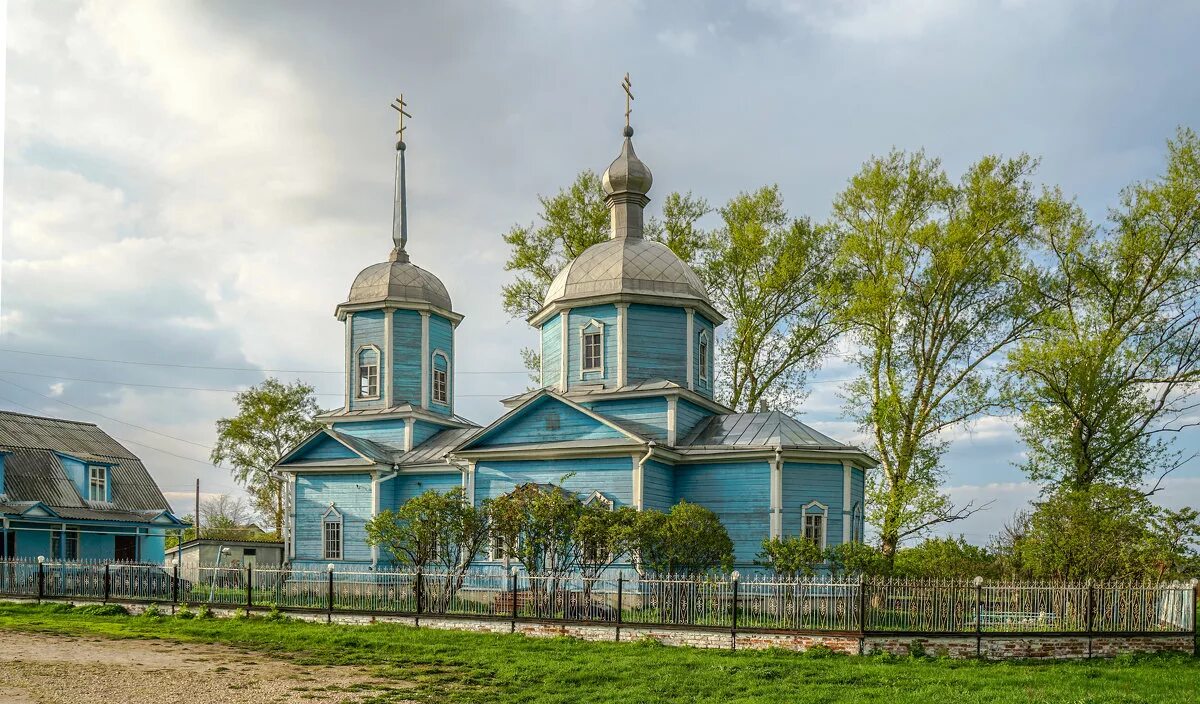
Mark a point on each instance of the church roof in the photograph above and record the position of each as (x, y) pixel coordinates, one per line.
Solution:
(770, 429)
(627, 265)
(399, 282)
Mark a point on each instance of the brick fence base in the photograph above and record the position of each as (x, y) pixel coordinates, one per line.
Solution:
(1036, 646)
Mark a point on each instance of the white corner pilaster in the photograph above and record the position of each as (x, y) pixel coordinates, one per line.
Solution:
(350, 365)
(638, 474)
(409, 431)
(469, 483)
(846, 517)
(622, 343)
(672, 420)
(385, 357)
(691, 344)
(374, 512)
(424, 359)
(777, 495)
(565, 363)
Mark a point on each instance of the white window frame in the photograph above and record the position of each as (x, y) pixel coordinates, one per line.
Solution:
(100, 482)
(823, 512)
(444, 398)
(703, 350)
(358, 373)
(332, 517)
(592, 327)
(598, 497)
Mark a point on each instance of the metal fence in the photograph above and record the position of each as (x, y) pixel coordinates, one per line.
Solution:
(817, 605)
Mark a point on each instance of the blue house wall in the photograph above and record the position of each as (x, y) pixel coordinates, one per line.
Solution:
(366, 328)
(687, 416)
(351, 496)
(612, 476)
(804, 482)
(549, 421)
(660, 351)
(441, 339)
(700, 325)
(390, 431)
(645, 416)
(739, 493)
(406, 357)
(658, 485)
(552, 350)
(581, 318)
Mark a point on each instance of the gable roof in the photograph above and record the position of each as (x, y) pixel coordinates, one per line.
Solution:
(355, 450)
(771, 429)
(620, 431)
(34, 472)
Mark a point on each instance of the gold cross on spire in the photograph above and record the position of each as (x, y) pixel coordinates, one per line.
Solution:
(398, 105)
(627, 85)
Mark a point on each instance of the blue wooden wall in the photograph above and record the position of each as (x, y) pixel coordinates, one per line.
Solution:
(323, 447)
(548, 420)
(612, 476)
(702, 324)
(552, 350)
(658, 485)
(366, 328)
(441, 337)
(804, 482)
(647, 416)
(687, 416)
(580, 318)
(76, 471)
(739, 493)
(406, 357)
(657, 344)
(351, 495)
(387, 432)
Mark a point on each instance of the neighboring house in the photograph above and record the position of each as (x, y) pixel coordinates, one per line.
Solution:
(68, 491)
(235, 553)
(626, 411)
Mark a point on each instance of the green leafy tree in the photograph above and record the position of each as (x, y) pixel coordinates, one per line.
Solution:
(855, 558)
(604, 535)
(792, 556)
(272, 418)
(689, 539)
(942, 558)
(537, 524)
(1111, 377)
(766, 271)
(439, 530)
(933, 282)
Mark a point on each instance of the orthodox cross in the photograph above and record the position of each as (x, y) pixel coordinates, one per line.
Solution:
(627, 85)
(398, 105)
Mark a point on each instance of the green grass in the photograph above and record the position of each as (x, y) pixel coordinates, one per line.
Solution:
(472, 667)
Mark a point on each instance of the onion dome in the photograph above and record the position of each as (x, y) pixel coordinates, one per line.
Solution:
(627, 173)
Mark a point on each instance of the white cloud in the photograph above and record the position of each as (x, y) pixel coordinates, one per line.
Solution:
(871, 20)
(680, 41)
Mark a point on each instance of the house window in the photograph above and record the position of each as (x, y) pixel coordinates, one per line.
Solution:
(815, 523)
(441, 378)
(705, 371)
(72, 547)
(592, 348)
(496, 551)
(368, 372)
(331, 535)
(97, 482)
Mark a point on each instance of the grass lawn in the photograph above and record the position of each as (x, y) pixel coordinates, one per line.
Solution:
(473, 667)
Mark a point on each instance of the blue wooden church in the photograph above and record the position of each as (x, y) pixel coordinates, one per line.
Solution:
(625, 408)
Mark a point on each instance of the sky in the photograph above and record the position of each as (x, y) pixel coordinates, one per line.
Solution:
(193, 186)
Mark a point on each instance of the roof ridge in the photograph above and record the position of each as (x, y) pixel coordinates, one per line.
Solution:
(49, 418)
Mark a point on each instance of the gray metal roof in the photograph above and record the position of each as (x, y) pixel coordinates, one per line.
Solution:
(401, 408)
(576, 393)
(399, 282)
(372, 450)
(32, 472)
(771, 429)
(435, 448)
(630, 265)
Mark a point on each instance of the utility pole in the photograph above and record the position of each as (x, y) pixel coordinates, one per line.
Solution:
(196, 518)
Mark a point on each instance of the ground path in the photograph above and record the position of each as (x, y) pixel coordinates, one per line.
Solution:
(37, 668)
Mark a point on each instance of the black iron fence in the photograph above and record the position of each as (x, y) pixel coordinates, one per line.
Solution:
(757, 603)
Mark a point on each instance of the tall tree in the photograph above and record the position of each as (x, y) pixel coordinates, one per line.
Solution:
(225, 513)
(766, 271)
(936, 282)
(272, 418)
(1111, 377)
(572, 220)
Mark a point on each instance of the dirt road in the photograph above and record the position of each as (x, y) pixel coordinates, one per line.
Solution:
(50, 669)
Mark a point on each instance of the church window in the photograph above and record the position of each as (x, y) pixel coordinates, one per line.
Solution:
(592, 348)
(368, 372)
(331, 534)
(815, 523)
(856, 524)
(441, 378)
(705, 371)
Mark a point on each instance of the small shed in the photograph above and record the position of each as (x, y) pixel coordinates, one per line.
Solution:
(241, 552)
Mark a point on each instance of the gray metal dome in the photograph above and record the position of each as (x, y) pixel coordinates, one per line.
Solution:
(399, 282)
(627, 173)
(631, 265)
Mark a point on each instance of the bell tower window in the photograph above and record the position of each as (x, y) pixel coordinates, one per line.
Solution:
(705, 371)
(441, 378)
(591, 347)
(368, 372)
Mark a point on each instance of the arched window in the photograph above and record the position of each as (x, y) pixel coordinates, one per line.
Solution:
(368, 372)
(816, 522)
(591, 347)
(331, 534)
(441, 377)
(705, 367)
(856, 523)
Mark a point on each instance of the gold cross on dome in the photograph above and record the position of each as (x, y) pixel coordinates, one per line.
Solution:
(627, 85)
(399, 106)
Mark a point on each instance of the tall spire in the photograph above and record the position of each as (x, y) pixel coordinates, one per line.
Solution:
(627, 181)
(399, 205)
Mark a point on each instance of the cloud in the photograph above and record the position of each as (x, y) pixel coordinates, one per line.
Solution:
(680, 41)
(871, 20)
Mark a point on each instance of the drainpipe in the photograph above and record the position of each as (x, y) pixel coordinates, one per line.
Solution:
(639, 479)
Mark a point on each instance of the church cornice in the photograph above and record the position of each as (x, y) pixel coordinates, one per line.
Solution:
(700, 306)
(391, 305)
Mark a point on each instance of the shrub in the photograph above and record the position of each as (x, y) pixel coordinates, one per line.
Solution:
(792, 556)
(916, 648)
(275, 614)
(204, 612)
(102, 610)
(152, 611)
(184, 612)
(240, 614)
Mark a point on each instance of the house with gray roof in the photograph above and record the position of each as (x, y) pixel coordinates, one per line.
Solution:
(626, 412)
(69, 491)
